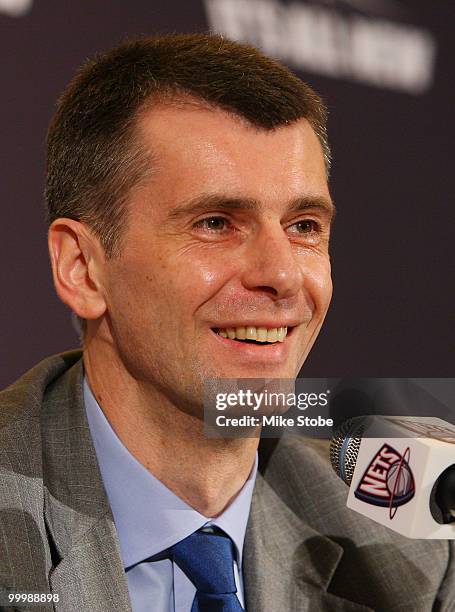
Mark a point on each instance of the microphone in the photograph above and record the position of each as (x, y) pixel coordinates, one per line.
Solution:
(400, 472)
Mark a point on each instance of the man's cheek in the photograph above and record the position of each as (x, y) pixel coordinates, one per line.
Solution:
(318, 283)
(203, 277)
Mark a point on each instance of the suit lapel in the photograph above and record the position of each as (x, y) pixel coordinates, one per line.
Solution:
(88, 572)
(91, 576)
(287, 564)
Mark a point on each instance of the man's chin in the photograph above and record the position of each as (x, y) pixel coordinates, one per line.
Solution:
(259, 371)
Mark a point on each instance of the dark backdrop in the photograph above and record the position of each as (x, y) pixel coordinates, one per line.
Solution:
(392, 179)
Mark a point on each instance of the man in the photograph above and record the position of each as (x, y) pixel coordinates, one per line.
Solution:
(189, 229)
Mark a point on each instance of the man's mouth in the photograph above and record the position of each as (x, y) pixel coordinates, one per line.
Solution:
(251, 334)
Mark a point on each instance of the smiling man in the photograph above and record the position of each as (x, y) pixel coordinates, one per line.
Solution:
(189, 232)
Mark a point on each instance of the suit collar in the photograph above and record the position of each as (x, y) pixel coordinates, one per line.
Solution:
(74, 493)
(88, 567)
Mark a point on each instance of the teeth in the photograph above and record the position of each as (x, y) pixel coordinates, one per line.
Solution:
(260, 334)
(281, 333)
(272, 335)
(251, 333)
(240, 333)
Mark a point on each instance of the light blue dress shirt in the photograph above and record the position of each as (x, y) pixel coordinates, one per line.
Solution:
(150, 518)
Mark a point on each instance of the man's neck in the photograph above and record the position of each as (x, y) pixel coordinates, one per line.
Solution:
(207, 473)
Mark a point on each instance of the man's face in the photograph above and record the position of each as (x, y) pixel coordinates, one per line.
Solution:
(230, 231)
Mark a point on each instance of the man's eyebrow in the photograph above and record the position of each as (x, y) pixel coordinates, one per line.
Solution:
(325, 205)
(208, 203)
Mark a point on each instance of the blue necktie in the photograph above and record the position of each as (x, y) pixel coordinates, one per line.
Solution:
(208, 561)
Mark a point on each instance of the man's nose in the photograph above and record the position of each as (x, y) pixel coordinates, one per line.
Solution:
(271, 264)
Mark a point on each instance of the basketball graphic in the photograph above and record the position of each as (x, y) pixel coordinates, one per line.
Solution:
(399, 479)
(388, 480)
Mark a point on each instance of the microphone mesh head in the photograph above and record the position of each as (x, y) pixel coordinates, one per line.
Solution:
(345, 446)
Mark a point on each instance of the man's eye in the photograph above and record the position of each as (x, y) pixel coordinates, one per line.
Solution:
(213, 224)
(306, 226)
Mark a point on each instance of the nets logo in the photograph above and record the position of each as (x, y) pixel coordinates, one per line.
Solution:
(388, 480)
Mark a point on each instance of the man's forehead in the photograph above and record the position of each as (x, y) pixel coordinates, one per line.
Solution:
(205, 158)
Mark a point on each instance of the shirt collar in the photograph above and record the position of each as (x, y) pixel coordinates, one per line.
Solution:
(148, 516)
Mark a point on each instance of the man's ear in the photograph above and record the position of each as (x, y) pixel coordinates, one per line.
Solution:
(77, 259)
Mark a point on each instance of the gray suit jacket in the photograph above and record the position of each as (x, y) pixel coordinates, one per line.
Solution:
(304, 550)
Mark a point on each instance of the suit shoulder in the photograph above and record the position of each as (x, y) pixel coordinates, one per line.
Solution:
(20, 412)
(22, 400)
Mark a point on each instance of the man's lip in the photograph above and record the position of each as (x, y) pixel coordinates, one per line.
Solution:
(289, 331)
(267, 325)
(270, 353)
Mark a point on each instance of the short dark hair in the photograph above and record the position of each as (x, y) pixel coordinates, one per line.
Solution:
(94, 156)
